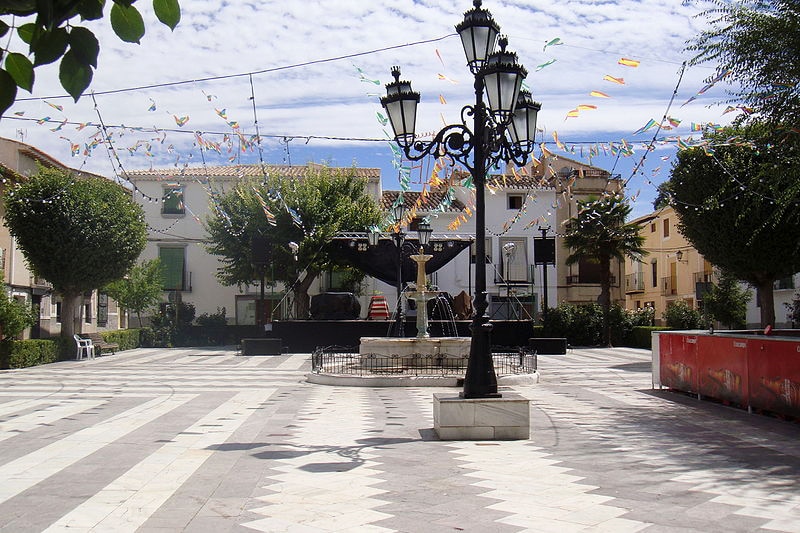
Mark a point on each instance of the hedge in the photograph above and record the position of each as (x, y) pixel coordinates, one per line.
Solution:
(642, 336)
(22, 354)
(126, 338)
(33, 352)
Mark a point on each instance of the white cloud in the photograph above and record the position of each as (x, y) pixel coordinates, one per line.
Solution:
(318, 99)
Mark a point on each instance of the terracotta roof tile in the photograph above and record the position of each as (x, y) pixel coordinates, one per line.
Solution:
(243, 171)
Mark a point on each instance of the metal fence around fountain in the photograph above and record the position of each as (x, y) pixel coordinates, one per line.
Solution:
(342, 360)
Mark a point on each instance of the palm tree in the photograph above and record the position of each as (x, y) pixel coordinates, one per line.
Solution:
(599, 232)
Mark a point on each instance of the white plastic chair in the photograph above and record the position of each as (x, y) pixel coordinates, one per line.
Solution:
(85, 348)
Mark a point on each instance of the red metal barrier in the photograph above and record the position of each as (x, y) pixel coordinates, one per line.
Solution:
(679, 362)
(774, 368)
(722, 368)
(750, 370)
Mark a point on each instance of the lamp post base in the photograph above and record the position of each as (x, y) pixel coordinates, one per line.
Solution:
(480, 380)
(506, 418)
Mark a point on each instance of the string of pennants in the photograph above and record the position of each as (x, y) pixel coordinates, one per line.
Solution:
(235, 143)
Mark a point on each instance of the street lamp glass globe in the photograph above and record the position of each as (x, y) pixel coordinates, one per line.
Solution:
(523, 122)
(400, 103)
(479, 34)
(424, 231)
(399, 210)
(502, 76)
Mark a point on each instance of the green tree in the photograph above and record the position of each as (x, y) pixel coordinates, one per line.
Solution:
(598, 233)
(679, 315)
(14, 316)
(738, 205)
(51, 32)
(758, 41)
(726, 302)
(308, 211)
(140, 289)
(77, 233)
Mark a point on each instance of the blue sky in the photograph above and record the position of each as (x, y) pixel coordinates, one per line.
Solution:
(311, 68)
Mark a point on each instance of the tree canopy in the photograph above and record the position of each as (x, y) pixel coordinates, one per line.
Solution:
(140, 289)
(738, 206)
(726, 302)
(276, 211)
(758, 43)
(599, 232)
(77, 233)
(53, 34)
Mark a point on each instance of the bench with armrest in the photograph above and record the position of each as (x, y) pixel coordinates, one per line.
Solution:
(100, 344)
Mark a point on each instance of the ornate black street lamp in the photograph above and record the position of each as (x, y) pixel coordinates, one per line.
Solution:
(503, 129)
(398, 237)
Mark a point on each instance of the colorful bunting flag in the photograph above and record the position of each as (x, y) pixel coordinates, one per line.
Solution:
(553, 42)
(628, 62)
(545, 64)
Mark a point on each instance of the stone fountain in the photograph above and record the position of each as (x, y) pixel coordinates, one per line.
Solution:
(423, 344)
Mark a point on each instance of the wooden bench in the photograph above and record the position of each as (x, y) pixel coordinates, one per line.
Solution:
(100, 344)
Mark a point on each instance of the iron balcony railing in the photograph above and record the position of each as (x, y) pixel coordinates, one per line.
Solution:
(577, 279)
(634, 282)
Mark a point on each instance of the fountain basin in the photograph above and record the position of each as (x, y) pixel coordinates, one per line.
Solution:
(410, 347)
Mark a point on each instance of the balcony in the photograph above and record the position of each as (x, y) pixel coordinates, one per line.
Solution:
(708, 276)
(703, 282)
(669, 286)
(634, 283)
(577, 279)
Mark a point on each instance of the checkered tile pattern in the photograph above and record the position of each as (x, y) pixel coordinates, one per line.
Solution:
(164, 440)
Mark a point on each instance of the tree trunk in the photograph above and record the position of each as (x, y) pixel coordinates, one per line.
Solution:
(605, 297)
(69, 304)
(767, 302)
(302, 302)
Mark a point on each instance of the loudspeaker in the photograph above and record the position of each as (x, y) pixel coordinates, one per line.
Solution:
(544, 251)
(260, 250)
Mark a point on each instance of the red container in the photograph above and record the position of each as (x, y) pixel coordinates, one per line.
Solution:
(774, 375)
(722, 368)
(678, 361)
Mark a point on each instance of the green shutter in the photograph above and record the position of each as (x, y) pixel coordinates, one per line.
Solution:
(172, 260)
(172, 201)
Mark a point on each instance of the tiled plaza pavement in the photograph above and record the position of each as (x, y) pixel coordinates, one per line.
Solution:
(201, 440)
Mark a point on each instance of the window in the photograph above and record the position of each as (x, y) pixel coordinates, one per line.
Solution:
(515, 258)
(172, 200)
(588, 271)
(488, 251)
(515, 201)
(87, 312)
(58, 312)
(653, 227)
(102, 309)
(173, 261)
(666, 227)
(654, 271)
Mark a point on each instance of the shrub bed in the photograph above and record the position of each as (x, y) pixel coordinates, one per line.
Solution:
(127, 339)
(23, 354)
